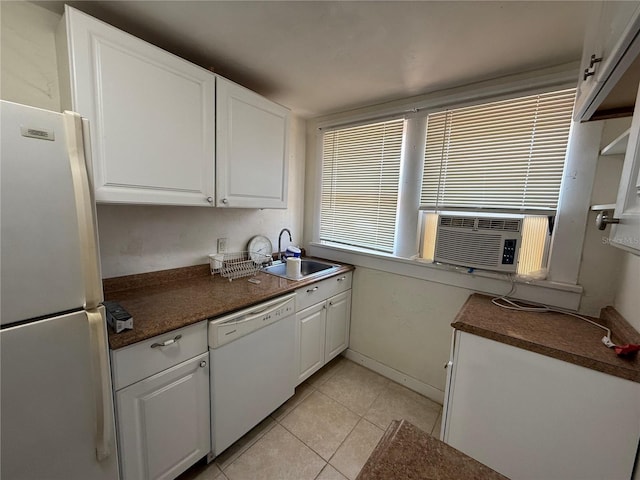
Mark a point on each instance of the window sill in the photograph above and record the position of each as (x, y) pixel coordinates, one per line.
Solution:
(547, 292)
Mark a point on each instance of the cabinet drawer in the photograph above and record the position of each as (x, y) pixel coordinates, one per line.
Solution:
(320, 291)
(143, 359)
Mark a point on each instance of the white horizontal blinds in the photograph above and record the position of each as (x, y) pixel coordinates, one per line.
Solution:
(360, 175)
(502, 155)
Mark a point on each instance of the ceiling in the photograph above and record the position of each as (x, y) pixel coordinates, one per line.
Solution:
(320, 57)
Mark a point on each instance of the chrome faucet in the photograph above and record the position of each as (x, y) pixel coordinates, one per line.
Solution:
(280, 242)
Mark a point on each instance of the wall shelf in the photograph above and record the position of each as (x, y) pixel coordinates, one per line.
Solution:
(618, 146)
(599, 208)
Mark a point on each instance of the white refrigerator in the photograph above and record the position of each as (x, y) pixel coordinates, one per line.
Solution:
(56, 406)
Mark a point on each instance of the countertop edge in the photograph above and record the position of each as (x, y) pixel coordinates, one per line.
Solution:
(626, 372)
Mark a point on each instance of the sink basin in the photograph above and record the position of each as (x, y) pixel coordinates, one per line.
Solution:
(308, 268)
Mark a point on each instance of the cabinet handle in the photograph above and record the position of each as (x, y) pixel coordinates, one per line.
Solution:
(309, 290)
(447, 365)
(331, 304)
(166, 343)
(605, 218)
(341, 279)
(590, 71)
(203, 364)
(210, 199)
(224, 201)
(594, 60)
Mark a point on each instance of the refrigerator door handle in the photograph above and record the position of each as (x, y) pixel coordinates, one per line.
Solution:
(105, 420)
(85, 210)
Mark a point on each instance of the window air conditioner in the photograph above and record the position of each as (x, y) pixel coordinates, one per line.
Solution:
(487, 243)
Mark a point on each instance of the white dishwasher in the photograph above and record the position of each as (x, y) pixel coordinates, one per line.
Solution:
(252, 370)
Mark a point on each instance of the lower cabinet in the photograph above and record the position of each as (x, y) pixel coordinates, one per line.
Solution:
(338, 319)
(322, 332)
(163, 421)
(162, 404)
(530, 416)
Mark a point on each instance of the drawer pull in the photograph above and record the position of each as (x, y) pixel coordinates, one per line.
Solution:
(166, 343)
(341, 279)
(309, 290)
(203, 364)
(232, 331)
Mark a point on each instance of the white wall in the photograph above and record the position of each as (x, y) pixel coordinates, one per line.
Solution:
(29, 73)
(136, 239)
(601, 262)
(404, 323)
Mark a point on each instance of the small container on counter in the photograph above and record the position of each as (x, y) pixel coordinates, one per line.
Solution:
(215, 262)
(293, 267)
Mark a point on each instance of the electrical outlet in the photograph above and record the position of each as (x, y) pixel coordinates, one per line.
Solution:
(222, 245)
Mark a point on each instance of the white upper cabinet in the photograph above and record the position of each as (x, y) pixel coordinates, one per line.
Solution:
(251, 149)
(626, 234)
(611, 45)
(152, 115)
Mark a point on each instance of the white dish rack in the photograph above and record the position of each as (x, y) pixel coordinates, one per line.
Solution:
(238, 264)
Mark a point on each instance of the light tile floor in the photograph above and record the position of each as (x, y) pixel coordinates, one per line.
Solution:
(326, 431)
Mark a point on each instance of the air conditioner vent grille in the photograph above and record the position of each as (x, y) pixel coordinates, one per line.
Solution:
(457, 222)
(505, 225)
(469, 248)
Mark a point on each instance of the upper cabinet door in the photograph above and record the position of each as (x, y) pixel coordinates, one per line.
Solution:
(151, 113)
(610, 47)
(626, 234)
(251, 149)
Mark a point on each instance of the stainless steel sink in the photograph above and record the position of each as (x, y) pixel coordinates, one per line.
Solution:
(308, 268)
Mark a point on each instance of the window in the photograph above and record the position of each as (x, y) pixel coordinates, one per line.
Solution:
(360, 177)
(504, 157)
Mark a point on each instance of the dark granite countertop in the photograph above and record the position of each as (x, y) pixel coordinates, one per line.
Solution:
(163, 301)
(554, 334)
(406, 452)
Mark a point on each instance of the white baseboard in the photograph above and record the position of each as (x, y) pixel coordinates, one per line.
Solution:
(411, 383)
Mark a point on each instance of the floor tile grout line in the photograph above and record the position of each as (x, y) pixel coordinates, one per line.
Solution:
(339, 365)
(248, 446)
(295, 406)
(305, 444)
(345, 439)
(347, 407)
(326, 462)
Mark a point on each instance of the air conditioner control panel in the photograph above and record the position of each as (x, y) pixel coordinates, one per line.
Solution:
(509, 251)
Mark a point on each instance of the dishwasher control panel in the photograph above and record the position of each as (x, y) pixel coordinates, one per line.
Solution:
(238, 324)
